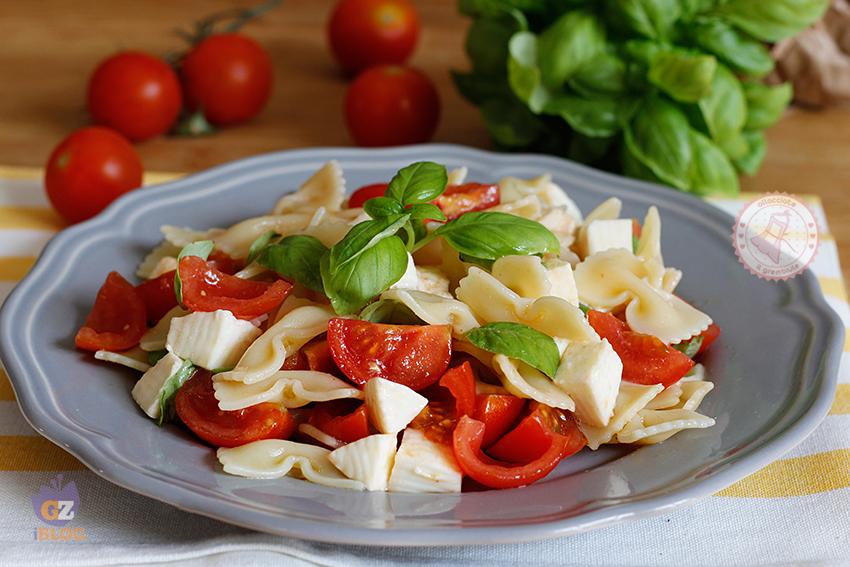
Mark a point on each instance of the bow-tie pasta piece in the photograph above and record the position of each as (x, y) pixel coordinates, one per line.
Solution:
(523, 381)
(325, 188)
(654, 426)
(608, 210)
(631, 398)
(531, 277)
(543, 188)
(435, 309)
(457, 176)
(288, 388)
(236, 241)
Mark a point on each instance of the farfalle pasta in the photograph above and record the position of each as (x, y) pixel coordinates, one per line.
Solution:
(412, 335)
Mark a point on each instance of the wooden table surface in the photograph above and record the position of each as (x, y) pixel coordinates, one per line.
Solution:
(49, 48)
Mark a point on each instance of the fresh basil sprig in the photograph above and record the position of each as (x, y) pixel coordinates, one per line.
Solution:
(202, 249)
(390, 311)
(518, 341)
(419, 182)
(296, 257)
(169, 389)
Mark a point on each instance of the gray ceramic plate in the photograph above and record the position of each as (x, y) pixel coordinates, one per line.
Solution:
(774, 367)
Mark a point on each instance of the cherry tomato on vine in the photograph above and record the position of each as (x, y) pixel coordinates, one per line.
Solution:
(363, 33)
(228, 77)
(390, 105)
(136, 94)
(88, 170)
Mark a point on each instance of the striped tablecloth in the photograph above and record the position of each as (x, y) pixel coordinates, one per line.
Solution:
(795, 510)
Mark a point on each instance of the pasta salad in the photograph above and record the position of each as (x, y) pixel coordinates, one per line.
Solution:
(427, 334)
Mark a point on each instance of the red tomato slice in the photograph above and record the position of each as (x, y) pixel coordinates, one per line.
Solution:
(224, 263)
(345, 420)
(295, 361)
(646, 360)
(460, 199)
(498, 412)
(158, 295)
(208, 289)
(452, 397)
(197, 407)
(117, 320)
(460, 381)
(365, 193)
(530, 438)
(317, 353)
(413, 355)
(708, 336)
(467, 439)
(636, 228)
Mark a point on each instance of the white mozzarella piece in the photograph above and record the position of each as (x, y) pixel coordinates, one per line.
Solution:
(148, 389)
(392, 406)
(369, 460)
(211, 340)
(562, 281)
(590, 373)
(609, 234)
(424, 466)
(410, 279)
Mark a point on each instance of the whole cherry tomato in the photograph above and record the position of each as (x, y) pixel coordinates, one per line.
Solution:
(136, 94)
(228, 77)
(363, 33)
(88, 170)
(390, 105)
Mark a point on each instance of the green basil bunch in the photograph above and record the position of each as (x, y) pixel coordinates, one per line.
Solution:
(669, 91)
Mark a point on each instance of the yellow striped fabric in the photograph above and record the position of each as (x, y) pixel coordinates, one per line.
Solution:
(813, 473)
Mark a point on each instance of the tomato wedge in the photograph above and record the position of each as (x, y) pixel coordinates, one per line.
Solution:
(345, 420)
(646, 360)
(530, 438)
(708, 336)
(460, 381)
(466, 442)
(197, 407)
(317, 353)
(459, 199)
(498, 412)
(452, 397)
(224, 263)
(365, 193)
(158, 295)
(295, 361)
(413, 355)
(117, 320)
(207, 289)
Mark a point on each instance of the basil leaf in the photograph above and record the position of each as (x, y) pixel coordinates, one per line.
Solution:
(756, 150)
(351, 285)
(765, 104)
(487, 43)
(391, 312)
(659, 137)
(169, 389)
(524, 76)
(491, 235)
(296, 258)
(772, 20)
(597, 118)
(725, 108)
(737, 50)
(486, 264)
(564, 47)
(155, 355)
(603, 75)
(653, 19)
(259, 244)
(419, 182)
(589, 149)
(684, 76)
(380, 207)
(509, 123)
(519, 342)
(693, 8)
(711, 171)
(202, 249)
(426, 211)
(633, 167)
(690, 347)
(478, 88)
(584, 308)
(363, 236)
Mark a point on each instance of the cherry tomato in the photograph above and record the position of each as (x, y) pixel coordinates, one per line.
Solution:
(158, 295)
(452, 397)
(466, 442)
(498, 412)
(117, 320)
(364, 33)
(345, 420)
(646, 360)
(224, 263)
(208, 289)
(708, 337)
(460, 381)
(88, 170)
(197, 407)
(365, 193)
(389, 105)
(530, 438)
(413, 355)
(136, 94)
(317, 353)
(295, 361)
(460, 199)
(228, 77)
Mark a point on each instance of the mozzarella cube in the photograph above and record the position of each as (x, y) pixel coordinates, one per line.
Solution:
(392, 406)
(211, 340)
(148, 389)
(590, 373)
(424, 466)
(369, 460)
(562, 281)
(433, 280)
(410, 279)
(608, 234)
